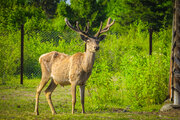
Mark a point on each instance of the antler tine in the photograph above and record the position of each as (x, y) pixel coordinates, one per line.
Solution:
(77, 25)
(87, 28)
(108, 25)
(98, 33)
(109, 20)
(77, 30)
(69, 25)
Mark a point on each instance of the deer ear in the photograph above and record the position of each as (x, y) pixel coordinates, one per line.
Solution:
(83, 38)
(102, 37)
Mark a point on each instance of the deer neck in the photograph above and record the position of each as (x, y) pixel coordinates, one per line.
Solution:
(88, 61)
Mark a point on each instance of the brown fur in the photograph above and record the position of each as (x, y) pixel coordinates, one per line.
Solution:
(69, 70)
(65, 70)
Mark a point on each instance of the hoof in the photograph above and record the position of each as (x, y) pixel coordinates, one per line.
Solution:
(54, 113)
(36, 113)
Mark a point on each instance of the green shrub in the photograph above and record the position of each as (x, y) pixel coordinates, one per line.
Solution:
(9, 55)
(125, 75)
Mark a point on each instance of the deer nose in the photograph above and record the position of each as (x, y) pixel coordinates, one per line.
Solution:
(96, 48)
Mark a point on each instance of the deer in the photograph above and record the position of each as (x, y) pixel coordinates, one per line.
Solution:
(71, 70)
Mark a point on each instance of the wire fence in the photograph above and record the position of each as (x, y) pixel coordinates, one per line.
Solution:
(35, 43)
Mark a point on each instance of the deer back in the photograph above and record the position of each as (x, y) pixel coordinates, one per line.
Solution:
(48, 59)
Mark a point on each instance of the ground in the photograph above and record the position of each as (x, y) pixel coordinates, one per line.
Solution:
(17, 102)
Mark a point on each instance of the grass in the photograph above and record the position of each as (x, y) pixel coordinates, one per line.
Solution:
(17, 102)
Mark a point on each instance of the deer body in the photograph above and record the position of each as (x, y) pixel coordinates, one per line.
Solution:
(65, 69)
(69, 70)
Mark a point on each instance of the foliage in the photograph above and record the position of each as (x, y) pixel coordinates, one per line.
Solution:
(63, 10)
(49, 6)
(123, 75)
(154, 12)
(9, 54)
(15, 14)
(82, 11)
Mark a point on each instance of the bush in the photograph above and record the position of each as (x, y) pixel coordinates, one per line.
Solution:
(125, 75)
(9, 54)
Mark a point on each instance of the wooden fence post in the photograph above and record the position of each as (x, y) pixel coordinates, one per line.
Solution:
(150, 41)
(22, 52)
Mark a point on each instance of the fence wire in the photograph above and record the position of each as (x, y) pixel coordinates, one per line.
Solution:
(36, 43)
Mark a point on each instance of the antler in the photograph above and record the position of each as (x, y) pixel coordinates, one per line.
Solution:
(108, 25)
(77, 29)
(87, 28)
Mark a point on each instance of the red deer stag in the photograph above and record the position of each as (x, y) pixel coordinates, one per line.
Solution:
(70, 70)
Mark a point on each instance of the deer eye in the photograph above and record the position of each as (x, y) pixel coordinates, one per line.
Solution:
(97, 41)
(88, 40)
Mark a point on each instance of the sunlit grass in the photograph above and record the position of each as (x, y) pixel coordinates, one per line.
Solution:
(17, 102)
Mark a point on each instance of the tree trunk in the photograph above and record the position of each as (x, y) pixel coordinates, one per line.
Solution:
(176, 54)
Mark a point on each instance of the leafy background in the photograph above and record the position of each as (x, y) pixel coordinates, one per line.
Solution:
(123, 75)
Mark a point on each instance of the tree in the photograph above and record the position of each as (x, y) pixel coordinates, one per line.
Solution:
(155, 12)
(13, 13)
(175, 56)
(49, 6)
(84, 11)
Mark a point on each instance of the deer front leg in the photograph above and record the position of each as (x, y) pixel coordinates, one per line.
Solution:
(39, 89)
(73, 93)
(82, 92)
(48, 93)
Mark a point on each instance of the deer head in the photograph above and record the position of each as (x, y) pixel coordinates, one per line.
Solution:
(92, 42)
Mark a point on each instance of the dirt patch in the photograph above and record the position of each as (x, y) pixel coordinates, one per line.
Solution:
(171, 113)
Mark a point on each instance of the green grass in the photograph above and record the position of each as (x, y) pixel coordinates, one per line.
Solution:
(17, 102)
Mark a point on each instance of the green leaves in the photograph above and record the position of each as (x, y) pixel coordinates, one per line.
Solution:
(152, 12)
(9, 54)
(124, 74)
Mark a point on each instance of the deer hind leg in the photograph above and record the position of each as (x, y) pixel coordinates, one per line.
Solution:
(48, 93)
(45, 78)
(82, 91)
(39, 89)
(73, 93)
